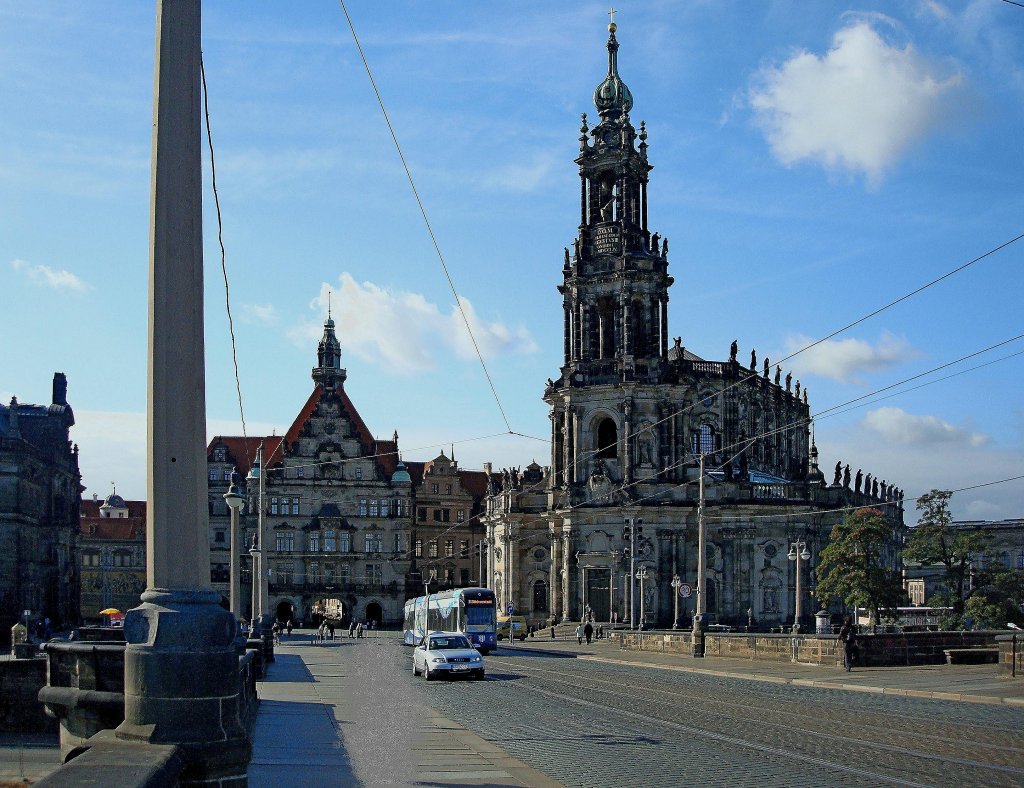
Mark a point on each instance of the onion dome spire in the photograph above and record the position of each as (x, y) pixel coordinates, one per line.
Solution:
(612, 98)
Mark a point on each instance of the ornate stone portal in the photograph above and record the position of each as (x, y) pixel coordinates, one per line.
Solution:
(630, 415)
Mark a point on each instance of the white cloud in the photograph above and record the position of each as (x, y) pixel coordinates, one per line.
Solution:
(912, 452)
(44, 275)
(843, 359)
(259, 313)
(113, 448)
(401, 331)
(897, 426)
(858, 107)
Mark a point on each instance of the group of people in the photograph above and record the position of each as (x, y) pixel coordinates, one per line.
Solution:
(356, 629)
(586, 631)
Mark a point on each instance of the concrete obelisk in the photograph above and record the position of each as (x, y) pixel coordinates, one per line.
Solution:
(181, 666)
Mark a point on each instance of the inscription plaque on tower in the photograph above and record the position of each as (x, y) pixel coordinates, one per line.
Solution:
(607, 240)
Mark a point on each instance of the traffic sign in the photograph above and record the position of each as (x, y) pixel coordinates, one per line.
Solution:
(510, 609)
(685, 590)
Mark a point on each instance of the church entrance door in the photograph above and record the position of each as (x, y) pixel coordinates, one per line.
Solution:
(597, 593)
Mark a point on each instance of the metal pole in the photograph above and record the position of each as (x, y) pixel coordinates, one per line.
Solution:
(702, 608)
(796, 607)
(676, 583)
(264, 565)
(236, 592)
(641, 575)
(633, 563)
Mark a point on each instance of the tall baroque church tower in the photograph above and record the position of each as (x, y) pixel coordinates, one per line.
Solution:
(630, 417)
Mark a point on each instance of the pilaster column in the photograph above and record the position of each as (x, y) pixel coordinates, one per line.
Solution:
(582, 595)
(643, 203)
(567, 333)
(566, 545)
(627, 325)
(553, 591)
(627, 442)
(664, 326)
(577, 471)
(567, 439)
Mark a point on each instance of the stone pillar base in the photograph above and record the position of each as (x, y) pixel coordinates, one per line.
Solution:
(697, 641)
(182, 684)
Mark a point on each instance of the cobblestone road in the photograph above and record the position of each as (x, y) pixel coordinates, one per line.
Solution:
(588, 723)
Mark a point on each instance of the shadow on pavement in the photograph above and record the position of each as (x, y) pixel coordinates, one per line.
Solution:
(288, 667)
(297, 744)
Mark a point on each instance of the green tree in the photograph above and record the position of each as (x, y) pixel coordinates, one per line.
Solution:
(935, 541)
(855, 566)
(997, 597)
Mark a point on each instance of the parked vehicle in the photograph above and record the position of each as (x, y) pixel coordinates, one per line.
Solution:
(446, 654)
(516, 623)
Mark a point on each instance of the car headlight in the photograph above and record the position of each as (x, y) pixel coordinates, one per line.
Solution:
(438, 659)
(475, 659)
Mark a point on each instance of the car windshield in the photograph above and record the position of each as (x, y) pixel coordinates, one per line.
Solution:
(443, 644)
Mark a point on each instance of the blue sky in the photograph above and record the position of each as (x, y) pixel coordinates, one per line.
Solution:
(813, 161)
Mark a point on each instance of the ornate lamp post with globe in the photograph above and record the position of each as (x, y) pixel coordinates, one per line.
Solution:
(798, 552)
(235, 501)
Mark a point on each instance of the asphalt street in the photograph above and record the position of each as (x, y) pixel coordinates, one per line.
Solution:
(588, 723)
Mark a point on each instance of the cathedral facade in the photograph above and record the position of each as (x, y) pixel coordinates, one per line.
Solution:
(631, 416)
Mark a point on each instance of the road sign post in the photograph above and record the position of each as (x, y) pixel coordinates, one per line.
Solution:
(510, 610)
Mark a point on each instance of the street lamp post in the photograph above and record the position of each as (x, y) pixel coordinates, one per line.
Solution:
(633, 526)
(264, 629)
(641, 575)
(254, 614)
(798, 552)
(235, 500)
(676, 583)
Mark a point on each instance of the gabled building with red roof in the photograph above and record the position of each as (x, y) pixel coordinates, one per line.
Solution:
(337, 507)
(113, 549)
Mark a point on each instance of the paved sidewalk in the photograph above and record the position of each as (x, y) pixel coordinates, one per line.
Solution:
(971, 683)
(347, 712)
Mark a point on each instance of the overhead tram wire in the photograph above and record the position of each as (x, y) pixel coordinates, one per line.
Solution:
(379, 455)
(750, 441)
(426, 220)
(223, 253)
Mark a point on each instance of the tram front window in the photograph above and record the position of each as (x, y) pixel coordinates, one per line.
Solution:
(479, 619)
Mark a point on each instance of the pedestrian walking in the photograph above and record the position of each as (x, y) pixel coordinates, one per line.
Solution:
(579, 633)
(289, 627)
(352, 628)
(359, 629)
(552, 631)
(588, 630)
(846, 637)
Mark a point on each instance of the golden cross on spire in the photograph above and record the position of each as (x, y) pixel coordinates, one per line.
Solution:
(611, 14)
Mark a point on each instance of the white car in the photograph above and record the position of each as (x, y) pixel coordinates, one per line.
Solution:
(446, 654)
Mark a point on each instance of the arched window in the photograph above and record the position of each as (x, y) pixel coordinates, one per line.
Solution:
(704, 441)
(607, 440)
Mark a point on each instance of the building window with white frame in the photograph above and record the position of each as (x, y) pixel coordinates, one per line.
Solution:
(418, 549)
(460, 516)
(344, 542)
(314, 541)
(273, 505)
(374, 509)
(373, 574)
(372, 543)
(295, 505)
(449, 548)
(432, 549)
(362, 507)
(330, 545)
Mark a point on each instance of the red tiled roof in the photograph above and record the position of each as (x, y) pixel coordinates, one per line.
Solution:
(242, 451)
(113, 528)
(475, 482)
(385, 451)
(91, 508)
